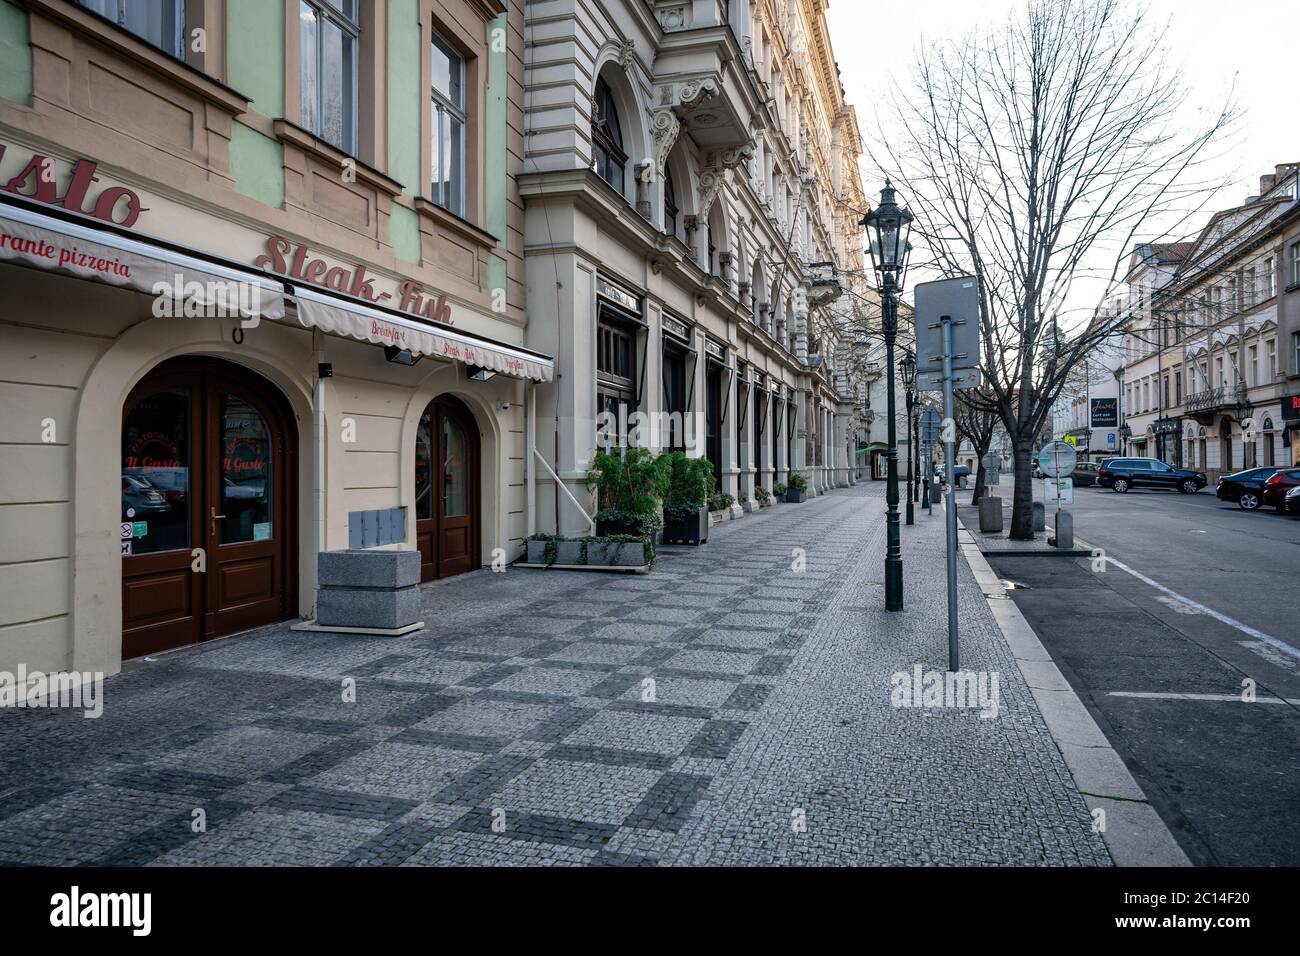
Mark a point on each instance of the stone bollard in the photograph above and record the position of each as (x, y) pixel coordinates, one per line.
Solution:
(990, 514)
(375, 591)
(1064, 530)
(1040, 516)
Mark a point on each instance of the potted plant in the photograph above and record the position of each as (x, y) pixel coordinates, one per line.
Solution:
(778, 491)
(690, 483)
(615, 551)
(629, 484)
(797, 489)
(747, 505)
(764, 497)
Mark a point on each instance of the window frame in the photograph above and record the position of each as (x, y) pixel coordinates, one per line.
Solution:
(603, 145)
(327, 9)
(178, 13)
(438, 103)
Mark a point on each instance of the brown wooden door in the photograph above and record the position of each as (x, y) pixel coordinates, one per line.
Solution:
(446, 490)
(213, 441)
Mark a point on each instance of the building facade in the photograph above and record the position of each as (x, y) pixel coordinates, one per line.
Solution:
(693, 252)
(1214, 392)
(262, 268)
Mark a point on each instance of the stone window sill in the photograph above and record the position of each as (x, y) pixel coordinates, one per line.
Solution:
(329, 155)
(452, 223)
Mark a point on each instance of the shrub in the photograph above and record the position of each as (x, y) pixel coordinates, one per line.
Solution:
(798, 482)
(690, 483)
(778, 489)
(629, 484)
(762, 494)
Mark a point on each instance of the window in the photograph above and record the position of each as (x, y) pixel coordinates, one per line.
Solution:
(160, 23)
(607, 137)
(1295, 351)
(1253, 369)
(1178, 388)
(1270, 276)
(1295, 263)
(328, 31)
(670, 204)
(448, 123)
(1270, 367)
(615, 370)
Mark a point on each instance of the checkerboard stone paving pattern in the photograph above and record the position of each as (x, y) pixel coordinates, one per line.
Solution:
(690, 716)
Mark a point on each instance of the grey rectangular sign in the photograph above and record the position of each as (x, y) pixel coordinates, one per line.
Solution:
(958, 298)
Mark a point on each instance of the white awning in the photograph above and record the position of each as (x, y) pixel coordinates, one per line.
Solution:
(181, 284)
(357, 321)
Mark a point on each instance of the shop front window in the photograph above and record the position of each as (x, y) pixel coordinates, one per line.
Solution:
(156, 474)
(424, 455)
(246, 461)
(455, 470)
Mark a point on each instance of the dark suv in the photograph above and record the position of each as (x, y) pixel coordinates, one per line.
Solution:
(1125, 473)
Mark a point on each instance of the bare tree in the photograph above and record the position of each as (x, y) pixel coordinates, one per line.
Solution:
(977, 423)
(1031, 155)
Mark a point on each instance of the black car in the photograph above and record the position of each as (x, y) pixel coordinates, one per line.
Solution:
(1291, 503)
(1246, 488)
(1084, 474)
(1125, 473)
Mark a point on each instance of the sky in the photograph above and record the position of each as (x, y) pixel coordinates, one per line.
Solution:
(1252, 43)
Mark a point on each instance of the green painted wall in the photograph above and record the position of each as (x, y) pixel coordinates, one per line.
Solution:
(256, 53)
(498, 79)
(404, 97)
(15, 54)
(404, 234)
(257, 163)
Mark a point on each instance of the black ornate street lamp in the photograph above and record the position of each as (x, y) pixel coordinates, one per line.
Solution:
(887, 227)
(908, 368)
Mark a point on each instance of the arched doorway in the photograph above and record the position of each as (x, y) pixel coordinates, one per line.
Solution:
(209, 536)
(447, 489)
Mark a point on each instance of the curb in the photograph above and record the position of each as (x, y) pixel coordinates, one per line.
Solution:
(1133, 832)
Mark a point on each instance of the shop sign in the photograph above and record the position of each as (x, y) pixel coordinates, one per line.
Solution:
(616, 294)
(716, 350)
(1105, 412)
(679, 329)
(37, 180)
(1291, 408)
(293, 259)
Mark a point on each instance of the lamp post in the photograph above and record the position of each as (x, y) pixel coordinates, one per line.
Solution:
(887, 226)
(908, 368)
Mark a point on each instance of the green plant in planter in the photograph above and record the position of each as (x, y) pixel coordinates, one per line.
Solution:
(762, 494)
(778, 489)
(744, 497)
(798, 482)
(690, 484)
(629, 484)
(721, 501)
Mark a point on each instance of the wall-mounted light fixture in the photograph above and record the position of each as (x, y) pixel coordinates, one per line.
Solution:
(400, 356)
(478, 373)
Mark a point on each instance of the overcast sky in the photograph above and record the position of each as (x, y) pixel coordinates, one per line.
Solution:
(1254, 43)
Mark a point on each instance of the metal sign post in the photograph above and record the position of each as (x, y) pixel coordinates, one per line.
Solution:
(947, 326)
(950, 499)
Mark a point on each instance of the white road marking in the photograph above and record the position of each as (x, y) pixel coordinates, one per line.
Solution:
(1246, 629)
(1270, 655)
(1153, 695)
(1180, 606)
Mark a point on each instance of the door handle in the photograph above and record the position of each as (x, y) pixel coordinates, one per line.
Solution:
(213, 525)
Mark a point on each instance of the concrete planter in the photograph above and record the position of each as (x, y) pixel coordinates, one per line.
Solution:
(795, 497)
(626, 554)
(749, 507)
(536, 552)
(363, 589)
(568, 552)
(687, 531)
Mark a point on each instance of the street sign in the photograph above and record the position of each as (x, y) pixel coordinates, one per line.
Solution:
(126, 531)
(961, 378)
(992, 469)
(959, 299)
(930, 425)
(1057, 459)
(1071, 440)
(1058, 491)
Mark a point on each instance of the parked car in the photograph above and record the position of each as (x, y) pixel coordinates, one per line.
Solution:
(1085, 474)
(1246, 488)
(1277, 485)
(1291, 503)
(1125, 473)
(140, 496)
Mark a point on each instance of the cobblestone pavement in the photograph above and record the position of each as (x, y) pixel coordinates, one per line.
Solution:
(725, 709)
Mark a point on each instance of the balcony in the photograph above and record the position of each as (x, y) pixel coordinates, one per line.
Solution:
(701, 78)
(1206, 405)
(825, 285)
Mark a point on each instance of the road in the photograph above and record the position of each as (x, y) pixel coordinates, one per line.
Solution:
(1196, 598)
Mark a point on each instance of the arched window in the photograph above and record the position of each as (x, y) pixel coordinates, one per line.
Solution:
(607, 137)
(670, 204)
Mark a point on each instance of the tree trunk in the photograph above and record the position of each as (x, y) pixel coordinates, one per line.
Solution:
(1022, 508)
(980, 480)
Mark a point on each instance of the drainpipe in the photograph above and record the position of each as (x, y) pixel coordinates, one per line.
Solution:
(323, 371)
(530, 446)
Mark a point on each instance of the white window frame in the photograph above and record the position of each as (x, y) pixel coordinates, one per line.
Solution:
(119, 17)
(326, 10)
(440, 104)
